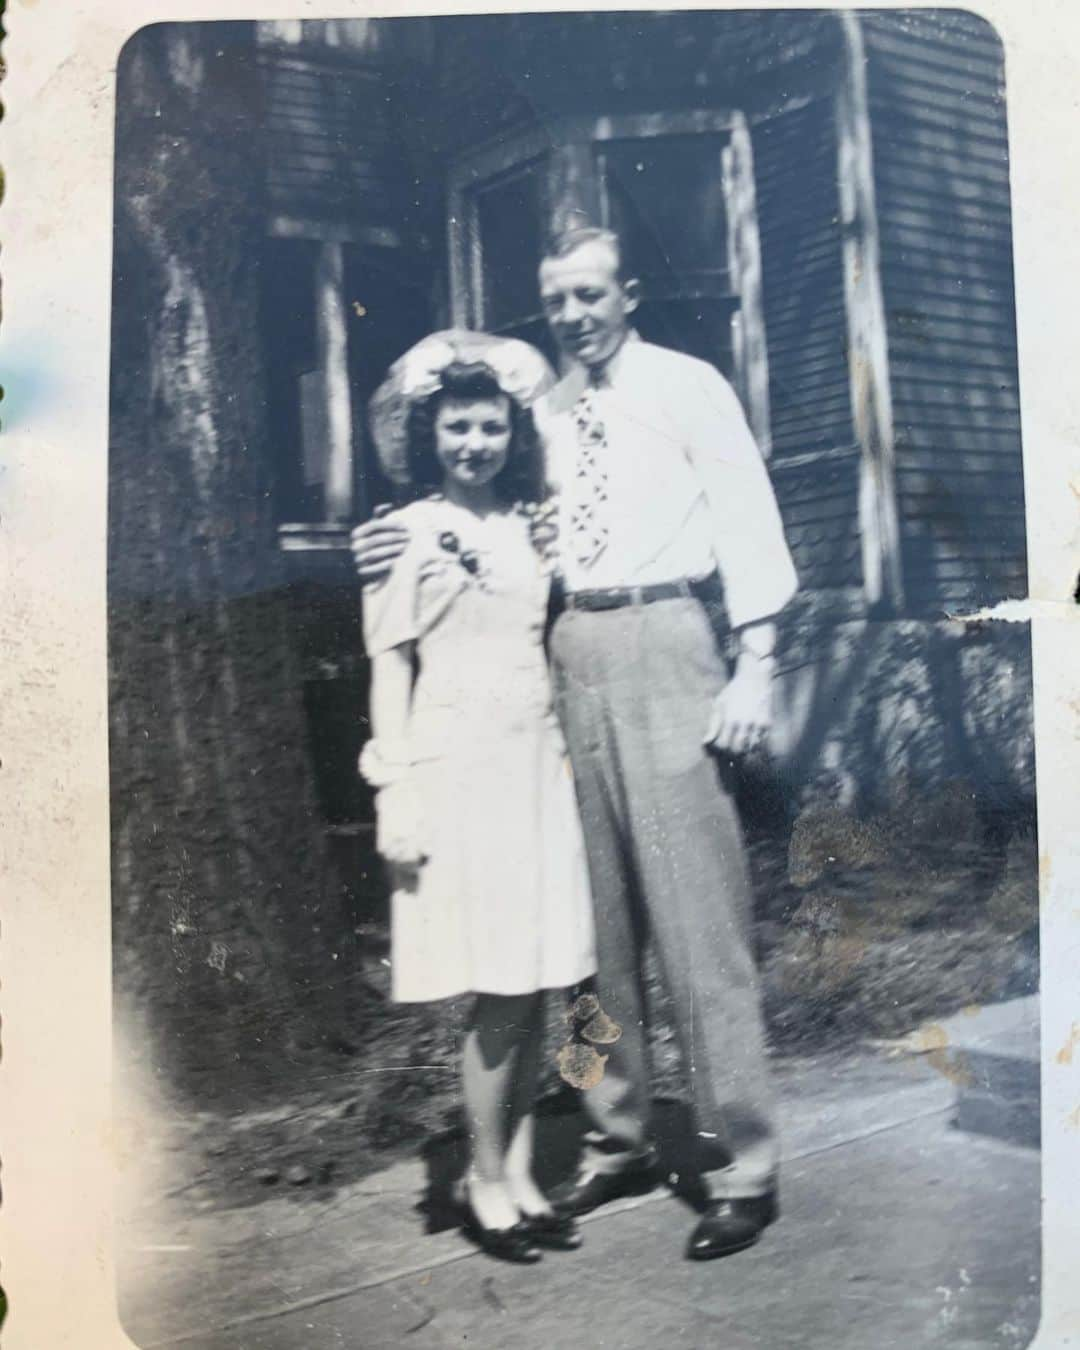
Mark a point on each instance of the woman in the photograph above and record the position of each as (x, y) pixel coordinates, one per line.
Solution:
(476, 810)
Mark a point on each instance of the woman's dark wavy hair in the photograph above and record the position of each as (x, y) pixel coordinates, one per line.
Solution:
(521, 478)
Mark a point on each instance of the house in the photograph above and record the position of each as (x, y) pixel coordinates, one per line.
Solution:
(817, 202)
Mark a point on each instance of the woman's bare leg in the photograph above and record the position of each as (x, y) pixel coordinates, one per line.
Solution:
(523, 1189)
(498, 1029)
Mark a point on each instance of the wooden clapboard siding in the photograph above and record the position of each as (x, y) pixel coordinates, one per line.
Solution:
(497, 72)
(806, 323)
(936, 91)
(987, 460)
(314, 115)
(820, 509)
(340, 145)
(805, 317)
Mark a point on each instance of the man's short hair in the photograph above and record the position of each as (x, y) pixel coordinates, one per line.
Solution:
(568, 241)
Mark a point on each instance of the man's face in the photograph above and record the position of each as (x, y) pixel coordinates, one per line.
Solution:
(586, 305)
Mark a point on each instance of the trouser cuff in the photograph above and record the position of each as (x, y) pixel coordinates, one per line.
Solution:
(611, 1157)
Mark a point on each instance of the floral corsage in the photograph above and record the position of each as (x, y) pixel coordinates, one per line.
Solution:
(543, 518)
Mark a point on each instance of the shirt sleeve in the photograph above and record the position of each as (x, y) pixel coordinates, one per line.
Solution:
(751, 551)
(391, 607)
(546, 422)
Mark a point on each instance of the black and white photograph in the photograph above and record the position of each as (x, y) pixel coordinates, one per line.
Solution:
(574, 870)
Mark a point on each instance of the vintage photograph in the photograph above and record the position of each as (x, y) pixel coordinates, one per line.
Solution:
(573, 831)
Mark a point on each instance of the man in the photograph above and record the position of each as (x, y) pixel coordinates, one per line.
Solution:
(661, 490)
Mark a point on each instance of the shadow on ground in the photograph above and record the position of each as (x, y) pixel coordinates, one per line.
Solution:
(560, 1127)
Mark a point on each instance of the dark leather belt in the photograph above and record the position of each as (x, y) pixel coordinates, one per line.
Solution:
(616, 597)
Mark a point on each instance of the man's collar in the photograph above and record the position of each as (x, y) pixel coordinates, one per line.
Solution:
(576, 379)
(606, 375)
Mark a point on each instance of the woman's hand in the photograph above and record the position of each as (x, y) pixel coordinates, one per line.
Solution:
(398, 831)
(377, 545)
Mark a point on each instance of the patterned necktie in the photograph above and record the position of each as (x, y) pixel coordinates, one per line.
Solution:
(588, 528)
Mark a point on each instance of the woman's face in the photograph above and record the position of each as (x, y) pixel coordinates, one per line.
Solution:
(472, 439)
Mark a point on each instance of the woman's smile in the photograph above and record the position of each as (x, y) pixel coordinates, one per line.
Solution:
(472, 439)
(472, 461)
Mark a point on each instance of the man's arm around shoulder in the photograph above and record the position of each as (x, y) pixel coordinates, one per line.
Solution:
(378, 544)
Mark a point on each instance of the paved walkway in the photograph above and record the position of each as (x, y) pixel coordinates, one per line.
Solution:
(897, 1231)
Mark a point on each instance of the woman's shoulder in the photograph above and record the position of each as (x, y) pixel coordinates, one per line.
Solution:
(406, 604)
(412, 512)
(431, 539)
(419, 518)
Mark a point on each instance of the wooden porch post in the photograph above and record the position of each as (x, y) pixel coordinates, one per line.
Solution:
(332, 354)
(748, 339)
(459, 233)
(868, 354)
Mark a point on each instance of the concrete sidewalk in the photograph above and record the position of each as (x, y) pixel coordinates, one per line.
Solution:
(897, 1230)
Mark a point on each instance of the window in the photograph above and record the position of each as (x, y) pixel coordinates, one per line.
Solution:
(334, 317)
(509, 211)
(665, 197)
(288, 328)
(676, 186)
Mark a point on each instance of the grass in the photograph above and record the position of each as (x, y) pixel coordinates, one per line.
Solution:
(866, 929)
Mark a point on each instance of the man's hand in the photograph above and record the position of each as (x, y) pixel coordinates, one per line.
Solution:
(377, 544)
(543, 520)
(742, 714)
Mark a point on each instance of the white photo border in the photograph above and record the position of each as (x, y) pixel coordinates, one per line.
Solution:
(59, 1143)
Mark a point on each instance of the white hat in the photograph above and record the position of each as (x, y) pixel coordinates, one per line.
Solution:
(519, 370)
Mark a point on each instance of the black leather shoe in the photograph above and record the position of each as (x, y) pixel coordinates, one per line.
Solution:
(590, 1190)
(504, 1244)
(558, 1232)
(729, 1226)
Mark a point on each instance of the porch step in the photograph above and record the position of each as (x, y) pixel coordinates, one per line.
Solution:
(994, 1051)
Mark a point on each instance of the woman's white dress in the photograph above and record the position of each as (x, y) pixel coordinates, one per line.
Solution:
(502, 904)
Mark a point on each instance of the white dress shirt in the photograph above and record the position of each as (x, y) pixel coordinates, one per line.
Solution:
(687, 488)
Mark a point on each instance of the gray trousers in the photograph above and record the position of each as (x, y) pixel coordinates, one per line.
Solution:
(634, 688)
